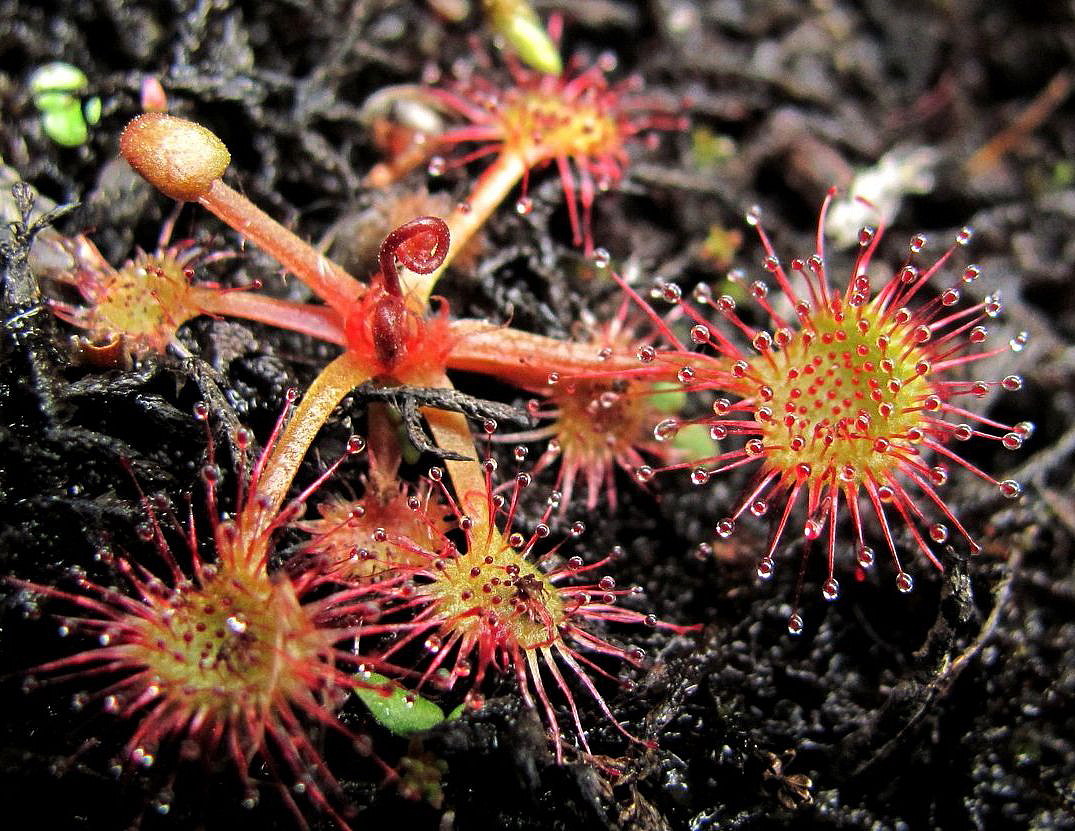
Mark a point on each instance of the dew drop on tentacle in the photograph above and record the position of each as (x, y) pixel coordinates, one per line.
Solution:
(1012, 441)
(1010, 488)
(666, 430)
(671, 293)
(865, 556)
(962, 432)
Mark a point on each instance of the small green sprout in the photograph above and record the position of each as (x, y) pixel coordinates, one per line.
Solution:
(720, 246)
(57, 90)
(518, 24)
(421, 776)
(709, 150)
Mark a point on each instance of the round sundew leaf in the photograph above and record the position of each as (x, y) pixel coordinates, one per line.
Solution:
(402, 711)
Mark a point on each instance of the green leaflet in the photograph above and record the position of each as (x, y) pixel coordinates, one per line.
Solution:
(401, 710)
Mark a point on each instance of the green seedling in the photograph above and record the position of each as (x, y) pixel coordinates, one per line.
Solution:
(58, 90)
(518, 24)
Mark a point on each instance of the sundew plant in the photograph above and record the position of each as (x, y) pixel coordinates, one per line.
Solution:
(434, 539)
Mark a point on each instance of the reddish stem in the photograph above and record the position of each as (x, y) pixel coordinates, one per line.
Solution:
(321, 322)
(326, 279)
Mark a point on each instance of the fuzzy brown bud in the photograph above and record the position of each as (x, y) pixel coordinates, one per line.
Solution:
(178, 157)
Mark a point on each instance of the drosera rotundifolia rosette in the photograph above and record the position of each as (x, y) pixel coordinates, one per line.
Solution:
(577, 120)
(209, 655)
(483, 595)
(851, 394)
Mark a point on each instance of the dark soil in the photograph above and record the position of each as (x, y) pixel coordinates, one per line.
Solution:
(952, 707)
